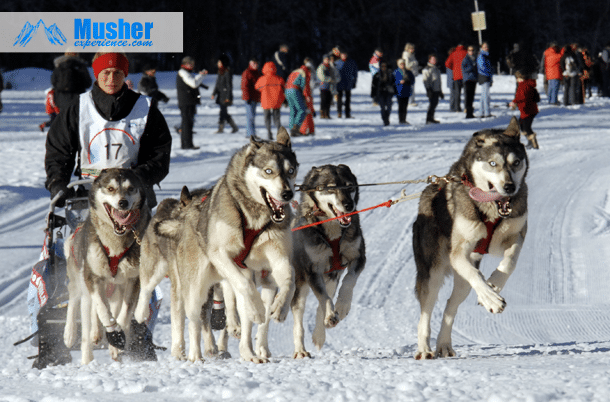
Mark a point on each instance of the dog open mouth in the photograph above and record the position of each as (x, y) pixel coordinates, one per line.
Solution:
(277, 207)
(122, 220)
(344, 221)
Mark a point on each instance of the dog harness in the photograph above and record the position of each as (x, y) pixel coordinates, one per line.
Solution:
(249, 236)
(336, 261)
(109, 143)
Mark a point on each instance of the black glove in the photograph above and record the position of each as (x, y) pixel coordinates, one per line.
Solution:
(442, 95)
(67, 193)
(116, 339)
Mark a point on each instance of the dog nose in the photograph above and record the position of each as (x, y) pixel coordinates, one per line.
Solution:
(509, 188)
(287, 195)
(123, 203)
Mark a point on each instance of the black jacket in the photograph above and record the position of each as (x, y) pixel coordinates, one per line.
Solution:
(223, 91)
(69, 79)
(63, 142)
(187, 96)
(149, 87)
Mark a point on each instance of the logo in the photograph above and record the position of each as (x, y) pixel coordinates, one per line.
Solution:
(53, 34)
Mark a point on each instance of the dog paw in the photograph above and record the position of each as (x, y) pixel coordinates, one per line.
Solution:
(234, 331)
(279, 309)
(331, 320)
(223, 355)
(301, 354)
(255, 359)
(70, 334)
(195, 358)
(255, 309)
(141, 313)
(211, 353)
(491, 300)
(263, 352)
(445, 351)
(425, 354)
(342, 309)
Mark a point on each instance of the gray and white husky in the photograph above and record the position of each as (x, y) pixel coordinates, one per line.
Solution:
(322, 253)
(481, 209)
(241, 227)
(103, 257)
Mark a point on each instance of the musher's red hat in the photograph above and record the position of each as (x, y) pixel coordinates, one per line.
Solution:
(110, 60)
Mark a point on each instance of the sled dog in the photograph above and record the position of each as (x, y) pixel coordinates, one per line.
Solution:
(159, 259)
(103, 257)
(481, 209)
(241, 227)
(322, 253)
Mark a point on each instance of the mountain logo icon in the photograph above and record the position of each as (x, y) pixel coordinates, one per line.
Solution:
(53, 33)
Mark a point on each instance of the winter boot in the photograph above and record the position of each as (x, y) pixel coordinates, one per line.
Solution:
(294, 132)
(51, 348)
(221, 128)
(531, 140)
(141, 347)
(233, 125)
(339, 114)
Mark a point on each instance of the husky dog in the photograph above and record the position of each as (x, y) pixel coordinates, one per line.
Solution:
(103, 257)
(322, 252)
(241, 227)
(481, 209)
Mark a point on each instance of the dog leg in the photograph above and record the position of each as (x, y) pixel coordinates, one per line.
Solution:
(71, 329)
(148, 284)
(319, 332)
(298, 332)
(283, 275)
(245, 343)
(177, 322)
(497, 280)
(346, 293)
(427, 293)
(86, 307)
(461, 289)
(232, 327)
(262, 343)
(193, 306)
(330, 316)
(209, 343)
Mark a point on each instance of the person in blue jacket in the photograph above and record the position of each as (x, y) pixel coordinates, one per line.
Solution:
(403, 81)
(349, 76)
(485, 79)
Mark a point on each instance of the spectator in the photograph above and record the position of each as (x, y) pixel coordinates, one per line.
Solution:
(383, 90)
(454, 63)
(271, 88)
(223, 92)
(403, 81)
(149, 87)
(412, 65)
(187, 87)
(326, 75)
(250, 95)
(571, 76)
(374, 63)
(553, 71)
(485, 79)
(70, 78)
(282, 61)
(449, 74)
(295, 86)
(469, 76)
(348, 70)
(50, 108)
(308, 126)
(526, 98)
(432, 83)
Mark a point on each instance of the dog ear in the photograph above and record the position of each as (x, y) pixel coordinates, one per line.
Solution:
(283, 138)
(479, 140)
(255, 142)
(513, 129)
(185, 196)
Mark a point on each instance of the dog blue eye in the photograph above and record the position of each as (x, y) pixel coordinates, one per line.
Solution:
(268, 171)
(493, 164)
(291, 171)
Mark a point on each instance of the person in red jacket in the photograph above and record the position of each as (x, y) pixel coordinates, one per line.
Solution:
(271, 88)
(526, 98)
(250, 94)
(454, 63)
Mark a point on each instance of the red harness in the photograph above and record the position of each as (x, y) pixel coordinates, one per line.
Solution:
(483, 244)
(250, 236)
(336, 263)
(113, 261)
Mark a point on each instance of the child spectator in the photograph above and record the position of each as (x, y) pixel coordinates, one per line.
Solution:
(271, 88)
(526, 99)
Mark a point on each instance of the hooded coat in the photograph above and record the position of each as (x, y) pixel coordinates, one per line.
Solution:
(271, 87)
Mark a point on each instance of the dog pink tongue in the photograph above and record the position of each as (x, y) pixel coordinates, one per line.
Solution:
(484, 196)
(126, 218)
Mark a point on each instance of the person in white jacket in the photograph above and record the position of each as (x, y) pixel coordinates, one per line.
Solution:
(187, 86)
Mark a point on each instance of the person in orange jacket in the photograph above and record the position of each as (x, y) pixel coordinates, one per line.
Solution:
(526, 98)
(271, 88)
(454, 63)
(553, 71)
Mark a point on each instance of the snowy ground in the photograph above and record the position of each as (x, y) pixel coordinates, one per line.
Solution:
(552, 343)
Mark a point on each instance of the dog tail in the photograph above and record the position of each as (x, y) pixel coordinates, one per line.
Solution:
(169, 228)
